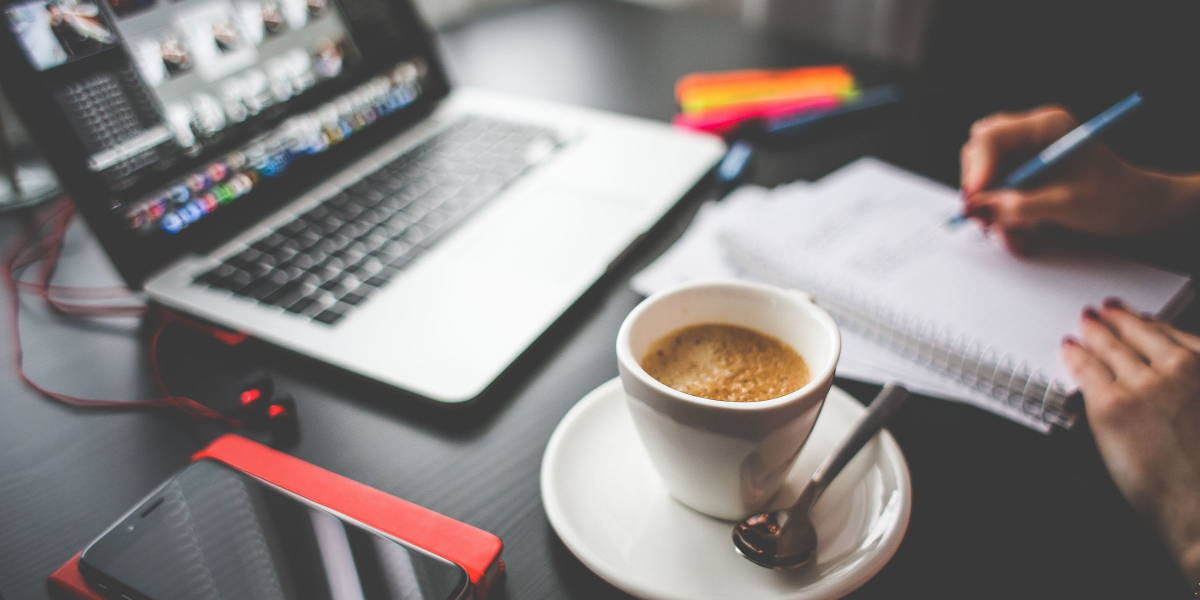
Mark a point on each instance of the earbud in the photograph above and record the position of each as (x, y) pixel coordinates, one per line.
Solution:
(259, 410)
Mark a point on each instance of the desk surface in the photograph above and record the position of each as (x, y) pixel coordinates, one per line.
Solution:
(999, 511)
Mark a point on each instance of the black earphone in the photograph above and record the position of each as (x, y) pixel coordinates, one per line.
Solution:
(258, 409)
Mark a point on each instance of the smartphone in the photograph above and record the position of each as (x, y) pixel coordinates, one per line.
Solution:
(212, 532)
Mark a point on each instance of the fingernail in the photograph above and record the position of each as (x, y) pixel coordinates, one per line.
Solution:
(1111, 302)
(1090, 314)
(1069, 341)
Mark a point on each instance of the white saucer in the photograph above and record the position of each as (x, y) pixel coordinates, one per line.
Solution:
(611, 510)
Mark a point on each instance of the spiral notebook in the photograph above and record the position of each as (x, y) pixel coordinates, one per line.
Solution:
(871, 244)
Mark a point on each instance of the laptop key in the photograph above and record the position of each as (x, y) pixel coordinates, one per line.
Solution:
(246, 257)
(415, 234)
(333, 282)
(301, 305)
(353, 229)
(307, 238)
(330, 316)
(356, 297)
(435, 219)
(283, 253)
(302, 261)
(236, 280)
(260, 289)
(366, 267)
(381, 279)
(293, 296)
(400, 262)
(285, 290)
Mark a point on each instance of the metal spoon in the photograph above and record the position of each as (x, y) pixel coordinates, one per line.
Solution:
(786, 539)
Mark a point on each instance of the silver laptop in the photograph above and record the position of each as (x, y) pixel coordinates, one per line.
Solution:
(302, 171)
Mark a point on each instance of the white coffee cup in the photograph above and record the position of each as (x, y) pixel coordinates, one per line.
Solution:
(726, 459)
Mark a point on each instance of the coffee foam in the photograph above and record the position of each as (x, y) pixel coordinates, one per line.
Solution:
(726, 362)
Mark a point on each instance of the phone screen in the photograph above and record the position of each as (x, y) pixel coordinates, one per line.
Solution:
(215, 533)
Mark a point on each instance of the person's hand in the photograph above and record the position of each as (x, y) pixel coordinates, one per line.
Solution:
(1095, 192)
(1140, 380)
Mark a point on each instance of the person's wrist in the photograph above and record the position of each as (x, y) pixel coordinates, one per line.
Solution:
(1182, 194)
(1178, 525)
(1189, 567)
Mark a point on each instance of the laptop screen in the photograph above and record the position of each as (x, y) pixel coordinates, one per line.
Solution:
(169, 117)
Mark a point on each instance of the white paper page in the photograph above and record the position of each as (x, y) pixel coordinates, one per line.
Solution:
(696, 255)
(875, 228)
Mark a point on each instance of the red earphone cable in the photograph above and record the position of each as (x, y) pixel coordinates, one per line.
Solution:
(31, 249)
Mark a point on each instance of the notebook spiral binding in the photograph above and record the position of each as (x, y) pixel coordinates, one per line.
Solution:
(955, 355)
(940, 348)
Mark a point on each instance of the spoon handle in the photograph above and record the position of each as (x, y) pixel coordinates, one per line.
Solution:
(891, 398)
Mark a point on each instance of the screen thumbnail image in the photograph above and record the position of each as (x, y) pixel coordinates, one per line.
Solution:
(225, 32)
(53, 32)
(272, 16)
(161, 57)
(216, 38)
(174, 53)
(124, 8)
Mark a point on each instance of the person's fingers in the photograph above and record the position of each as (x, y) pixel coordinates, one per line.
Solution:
(1188, 340)
(1088, 371)
(1108, 348)
(998, 135)
(1144, 338)
(1024, 209)
(965, 163)
(1020, 242)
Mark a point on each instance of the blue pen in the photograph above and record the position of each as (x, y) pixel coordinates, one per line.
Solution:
(734, 166)
(867, 99)
(1029, 174)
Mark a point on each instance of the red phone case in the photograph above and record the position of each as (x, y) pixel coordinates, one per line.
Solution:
(477, 551)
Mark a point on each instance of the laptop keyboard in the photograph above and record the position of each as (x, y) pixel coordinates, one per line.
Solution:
(330, 259)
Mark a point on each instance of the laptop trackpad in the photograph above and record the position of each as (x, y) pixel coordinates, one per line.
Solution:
(561, 234)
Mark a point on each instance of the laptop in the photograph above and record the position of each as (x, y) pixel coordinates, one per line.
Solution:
(303, 172)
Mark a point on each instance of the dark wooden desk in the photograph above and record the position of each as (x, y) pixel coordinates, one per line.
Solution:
(998, 511)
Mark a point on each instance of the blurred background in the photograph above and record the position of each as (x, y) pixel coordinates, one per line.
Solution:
(891, 30)
(978, 57)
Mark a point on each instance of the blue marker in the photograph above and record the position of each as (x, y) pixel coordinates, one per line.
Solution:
(1031, 173)
(733, 167)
